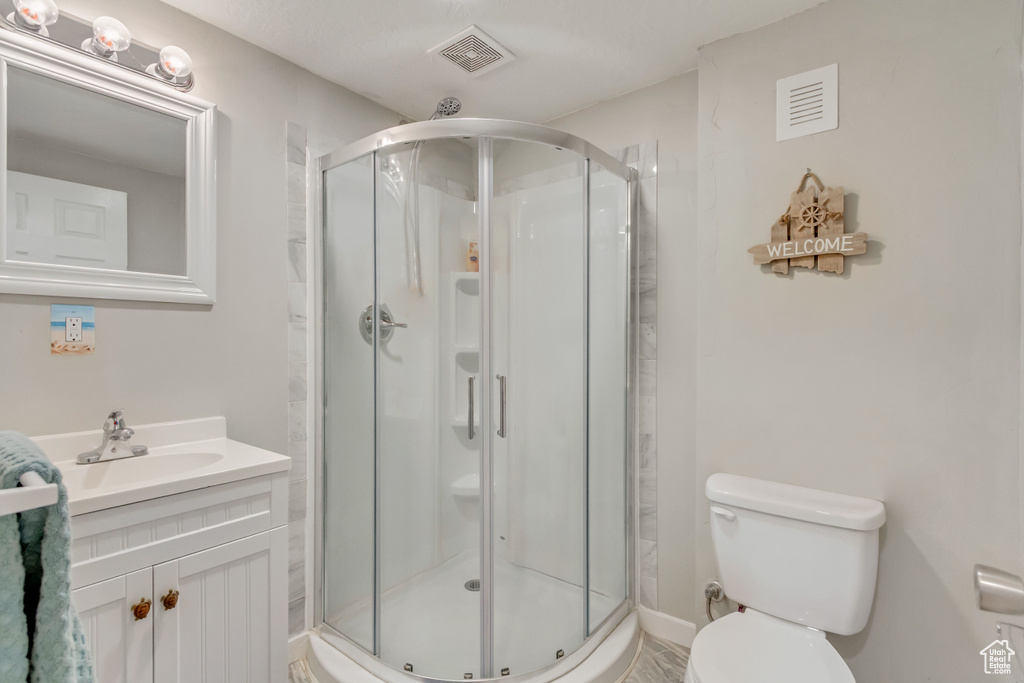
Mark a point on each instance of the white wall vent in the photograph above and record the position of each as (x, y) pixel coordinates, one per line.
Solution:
(473, 51)
(807, 103)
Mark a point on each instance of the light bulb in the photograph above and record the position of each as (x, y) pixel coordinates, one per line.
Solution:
(35, 15)
(174, 63)
(109, 36)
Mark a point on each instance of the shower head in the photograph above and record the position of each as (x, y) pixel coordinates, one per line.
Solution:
(449, 106)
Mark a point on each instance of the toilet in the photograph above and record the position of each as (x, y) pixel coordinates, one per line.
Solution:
(803, 563)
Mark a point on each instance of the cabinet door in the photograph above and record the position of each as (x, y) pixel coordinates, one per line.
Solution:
(230, 623)
(121, 644)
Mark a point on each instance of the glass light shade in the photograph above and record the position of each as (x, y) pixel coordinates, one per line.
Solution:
(174, 63)
(110, 36)
(35, 14)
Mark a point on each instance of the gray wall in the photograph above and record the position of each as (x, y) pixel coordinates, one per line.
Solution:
(898, 380)
(666, 112)
(907, 383)
(166, 361)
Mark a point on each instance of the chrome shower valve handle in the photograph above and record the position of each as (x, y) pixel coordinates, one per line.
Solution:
(386, 321)
(387, 324)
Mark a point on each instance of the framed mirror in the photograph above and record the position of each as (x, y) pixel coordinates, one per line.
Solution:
(109, 180)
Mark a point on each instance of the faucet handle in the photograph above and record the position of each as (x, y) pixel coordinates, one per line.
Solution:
(114, 421)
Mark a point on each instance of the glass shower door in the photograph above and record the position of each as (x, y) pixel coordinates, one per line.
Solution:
(428, 449)
(348, 411)
(608, 393)
(538, 301)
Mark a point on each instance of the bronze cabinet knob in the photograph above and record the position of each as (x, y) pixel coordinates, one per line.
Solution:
(170, 601)
(140, 610)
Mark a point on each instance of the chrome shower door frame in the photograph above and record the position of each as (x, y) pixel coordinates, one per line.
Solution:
(485, 193)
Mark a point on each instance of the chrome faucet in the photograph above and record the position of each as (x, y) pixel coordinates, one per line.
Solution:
(116, 442)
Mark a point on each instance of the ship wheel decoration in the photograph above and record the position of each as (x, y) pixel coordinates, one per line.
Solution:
(813, 216)
(811, 232)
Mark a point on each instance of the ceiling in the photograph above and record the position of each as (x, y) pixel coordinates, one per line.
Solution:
(569, 53)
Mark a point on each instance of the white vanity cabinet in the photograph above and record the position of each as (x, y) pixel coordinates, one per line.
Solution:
(122, 647)
(187, 587)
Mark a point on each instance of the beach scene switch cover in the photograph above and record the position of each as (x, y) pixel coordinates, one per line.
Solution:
(72, 330)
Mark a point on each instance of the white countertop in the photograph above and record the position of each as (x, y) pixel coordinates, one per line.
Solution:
(183, 456)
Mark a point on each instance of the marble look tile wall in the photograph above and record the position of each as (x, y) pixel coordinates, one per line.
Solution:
(297, 379)
(644, 158)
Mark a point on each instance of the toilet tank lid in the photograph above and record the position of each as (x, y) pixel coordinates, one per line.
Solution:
(796, 502)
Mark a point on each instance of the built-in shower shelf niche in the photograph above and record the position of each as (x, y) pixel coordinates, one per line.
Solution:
(465, 348)
(468, 360)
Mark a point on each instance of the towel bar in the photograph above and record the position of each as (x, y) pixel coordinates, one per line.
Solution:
(34, 492)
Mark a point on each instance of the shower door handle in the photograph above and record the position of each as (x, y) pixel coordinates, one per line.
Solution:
(472, 432)
(501, 409)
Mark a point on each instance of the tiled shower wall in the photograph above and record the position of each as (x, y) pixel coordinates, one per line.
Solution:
(297, 369)
(644, 158)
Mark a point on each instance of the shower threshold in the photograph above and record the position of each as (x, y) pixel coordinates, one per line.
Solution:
(432, 622)
(603, 658)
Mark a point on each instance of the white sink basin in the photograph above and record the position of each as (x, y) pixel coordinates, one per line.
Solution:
(183, 456)
(134, 472)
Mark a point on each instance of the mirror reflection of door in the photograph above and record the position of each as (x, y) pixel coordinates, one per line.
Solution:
(54, 221)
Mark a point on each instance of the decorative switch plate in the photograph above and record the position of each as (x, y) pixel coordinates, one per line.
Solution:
(72, 330)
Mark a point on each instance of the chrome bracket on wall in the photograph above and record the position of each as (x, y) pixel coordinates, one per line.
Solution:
(387, 324)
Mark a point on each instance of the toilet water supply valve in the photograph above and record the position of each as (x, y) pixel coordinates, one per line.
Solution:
(713, 591)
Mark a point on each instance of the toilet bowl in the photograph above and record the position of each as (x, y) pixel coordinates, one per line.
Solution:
(749, 647)
(803, 562)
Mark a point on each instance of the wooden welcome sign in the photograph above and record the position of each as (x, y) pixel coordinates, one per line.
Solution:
(812, 229)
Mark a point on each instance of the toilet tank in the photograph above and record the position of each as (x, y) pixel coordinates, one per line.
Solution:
(803, 555)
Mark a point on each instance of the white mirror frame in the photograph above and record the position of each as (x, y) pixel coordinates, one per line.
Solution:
(198, 285)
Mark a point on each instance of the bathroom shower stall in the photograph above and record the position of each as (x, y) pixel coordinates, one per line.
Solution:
(475, 298)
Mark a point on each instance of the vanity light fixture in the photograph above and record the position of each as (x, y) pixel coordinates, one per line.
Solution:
(34, 15)
(110, 36)
(173, 63)
(171, 66)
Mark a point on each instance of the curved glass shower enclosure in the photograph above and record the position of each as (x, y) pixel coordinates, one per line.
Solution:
(475, 429)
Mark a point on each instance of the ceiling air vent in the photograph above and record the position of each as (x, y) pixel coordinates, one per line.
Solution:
(807, 103)
(473, 51)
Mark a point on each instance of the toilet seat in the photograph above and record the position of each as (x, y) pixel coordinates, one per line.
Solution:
(751, 647)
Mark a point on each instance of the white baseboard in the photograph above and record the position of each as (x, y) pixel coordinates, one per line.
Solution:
(297, 647)
(666, 627)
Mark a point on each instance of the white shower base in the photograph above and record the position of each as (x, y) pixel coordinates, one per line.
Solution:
(433, 622)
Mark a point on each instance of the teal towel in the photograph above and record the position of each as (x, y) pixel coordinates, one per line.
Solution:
(41, 639)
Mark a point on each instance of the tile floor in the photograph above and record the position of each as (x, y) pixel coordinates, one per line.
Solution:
(299, 673)
(659, 662)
